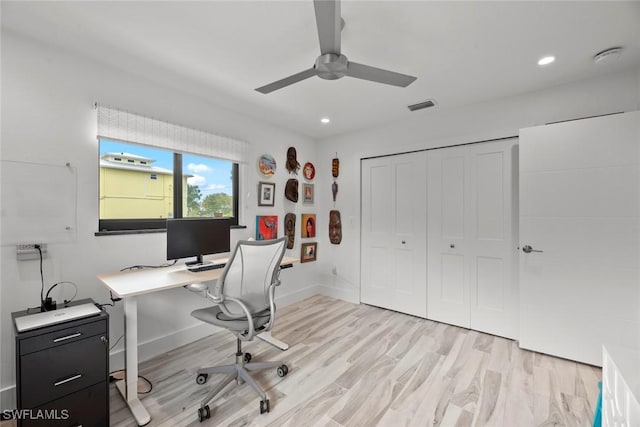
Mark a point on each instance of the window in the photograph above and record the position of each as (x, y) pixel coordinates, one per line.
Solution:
(151, 170)
(129, 200)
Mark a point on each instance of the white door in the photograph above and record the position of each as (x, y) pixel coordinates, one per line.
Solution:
(448, 236)
(471, 237)
(393, 245)
(580, 206)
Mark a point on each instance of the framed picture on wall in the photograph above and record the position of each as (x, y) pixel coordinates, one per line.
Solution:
(307, 193)
(308, 228)
(266, 193)
(266, 227)
(308, 252)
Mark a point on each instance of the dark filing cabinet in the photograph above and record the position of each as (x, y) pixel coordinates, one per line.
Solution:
(62, 373)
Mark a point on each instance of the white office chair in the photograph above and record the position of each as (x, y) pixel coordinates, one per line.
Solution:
(244, 304)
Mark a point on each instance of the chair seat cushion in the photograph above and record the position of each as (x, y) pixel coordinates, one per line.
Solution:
(215, 316)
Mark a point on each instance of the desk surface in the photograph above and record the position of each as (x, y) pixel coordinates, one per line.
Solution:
(136, 282)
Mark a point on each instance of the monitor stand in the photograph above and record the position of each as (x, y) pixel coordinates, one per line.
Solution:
(198, 261)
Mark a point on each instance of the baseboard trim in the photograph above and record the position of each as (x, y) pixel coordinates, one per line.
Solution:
(349, 295)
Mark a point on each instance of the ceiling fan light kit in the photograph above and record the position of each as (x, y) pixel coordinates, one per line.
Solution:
(332, 64)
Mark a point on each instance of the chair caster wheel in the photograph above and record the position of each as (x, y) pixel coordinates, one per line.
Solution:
(264, 406)
(201, 378)
(247, 357)
(204, 413)
(282, 370)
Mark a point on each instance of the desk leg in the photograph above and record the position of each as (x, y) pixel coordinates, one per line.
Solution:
(266, 337)
(129, 387)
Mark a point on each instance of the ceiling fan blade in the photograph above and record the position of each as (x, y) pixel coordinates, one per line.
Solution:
(287, 81)
(329, 25)
(379, 75)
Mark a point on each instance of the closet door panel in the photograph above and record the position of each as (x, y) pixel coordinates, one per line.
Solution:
(470, 235)
(377, 217)
(394, 233)
(447, 271)
(492, 244)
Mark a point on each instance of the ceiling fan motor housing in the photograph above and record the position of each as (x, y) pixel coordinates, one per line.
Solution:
(331, 66)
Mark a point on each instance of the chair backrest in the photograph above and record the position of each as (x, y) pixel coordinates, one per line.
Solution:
(252, 269)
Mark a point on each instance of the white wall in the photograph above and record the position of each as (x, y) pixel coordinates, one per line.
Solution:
(47, 117)
(443, 127)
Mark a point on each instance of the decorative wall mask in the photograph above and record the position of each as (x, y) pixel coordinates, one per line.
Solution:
(335, 171)
(267, 165)
(291, 190)
(290, 229)
(335, 227)
(309, 171)
(292, 161)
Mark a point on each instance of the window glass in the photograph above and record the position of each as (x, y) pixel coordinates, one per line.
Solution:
(208, 187)
(138, 188)
(136, 181)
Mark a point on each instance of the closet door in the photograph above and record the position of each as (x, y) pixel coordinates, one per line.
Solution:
(448, 236)
(493, 240)
(471, 237)
(393, 245)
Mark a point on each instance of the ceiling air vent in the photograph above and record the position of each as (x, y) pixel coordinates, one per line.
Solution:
(425, 104)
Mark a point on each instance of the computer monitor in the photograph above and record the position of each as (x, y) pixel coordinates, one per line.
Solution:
(187, 237)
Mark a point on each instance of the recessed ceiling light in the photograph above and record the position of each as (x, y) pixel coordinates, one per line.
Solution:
(325, 120)
(546, 60)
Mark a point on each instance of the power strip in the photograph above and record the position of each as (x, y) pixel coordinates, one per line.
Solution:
(28, 251)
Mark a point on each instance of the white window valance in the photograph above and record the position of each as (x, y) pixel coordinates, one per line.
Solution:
(125, 126)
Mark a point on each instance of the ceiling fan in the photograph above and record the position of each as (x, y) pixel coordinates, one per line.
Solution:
(332, 64)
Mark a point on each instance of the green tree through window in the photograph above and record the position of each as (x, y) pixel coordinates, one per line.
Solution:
(216, 204)
(193, 200)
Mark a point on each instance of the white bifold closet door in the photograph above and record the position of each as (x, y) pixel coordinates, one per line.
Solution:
(471, 237)
(393, 241)
(580, 222)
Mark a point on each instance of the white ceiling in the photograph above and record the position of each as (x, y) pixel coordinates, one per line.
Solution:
(461, 52)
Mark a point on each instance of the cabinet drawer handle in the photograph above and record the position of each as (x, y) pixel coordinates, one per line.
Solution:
(75, 377)
(68, 337)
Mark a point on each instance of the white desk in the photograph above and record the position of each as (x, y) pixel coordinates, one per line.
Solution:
(130, 284)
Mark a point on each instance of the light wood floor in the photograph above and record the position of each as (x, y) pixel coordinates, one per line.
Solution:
(356, 365)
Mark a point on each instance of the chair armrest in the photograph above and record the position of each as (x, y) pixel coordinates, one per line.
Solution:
(247, 313)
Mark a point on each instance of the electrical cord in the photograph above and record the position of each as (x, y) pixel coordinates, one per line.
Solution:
(140, 267)
(61, 283)
(120, 375)
(41, 276)
(112, 303)
(116, 343)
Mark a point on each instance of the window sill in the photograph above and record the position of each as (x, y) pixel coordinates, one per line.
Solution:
(155, 230)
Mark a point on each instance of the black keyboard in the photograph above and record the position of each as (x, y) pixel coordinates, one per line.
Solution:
(205, 267)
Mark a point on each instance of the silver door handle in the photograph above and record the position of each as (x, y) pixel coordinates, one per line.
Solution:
(528, 249)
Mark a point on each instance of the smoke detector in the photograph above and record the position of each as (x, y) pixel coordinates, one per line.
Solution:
(607, 55)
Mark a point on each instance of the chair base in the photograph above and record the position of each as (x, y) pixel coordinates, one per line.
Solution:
(238, 371)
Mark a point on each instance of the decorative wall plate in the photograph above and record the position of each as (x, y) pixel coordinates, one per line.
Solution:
(309, 171)
(267, 165)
